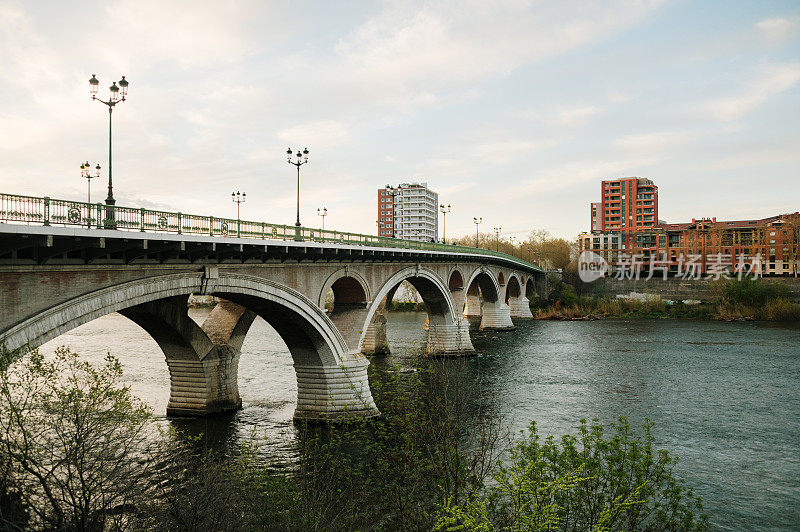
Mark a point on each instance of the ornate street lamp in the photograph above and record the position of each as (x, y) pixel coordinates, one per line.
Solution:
(117, 94)
(86, 171)
(322, 212)
(444, 210)
(497, 233)
(477, 222)
(302, 158)
(238, 199)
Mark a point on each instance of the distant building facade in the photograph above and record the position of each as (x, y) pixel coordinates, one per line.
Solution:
(408, 211)
(627, 217)
(604, 244)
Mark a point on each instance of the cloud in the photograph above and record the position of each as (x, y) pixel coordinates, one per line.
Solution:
(408, 54)
(778, 30)
(329, 133)
(770, 81)
(566, 117)
(178, 31)
(647, 144)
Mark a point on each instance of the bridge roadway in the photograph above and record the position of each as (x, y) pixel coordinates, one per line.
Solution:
(53, 279)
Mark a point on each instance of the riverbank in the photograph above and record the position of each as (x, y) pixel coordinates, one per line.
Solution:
(774, 310)
(727, 300)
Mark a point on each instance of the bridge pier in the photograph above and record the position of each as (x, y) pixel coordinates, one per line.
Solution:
(375, 341)
(448, 338)
(496, 316)
(202, 387)
(519, 307)
(203, 361)
(472, 307)
(334, 392)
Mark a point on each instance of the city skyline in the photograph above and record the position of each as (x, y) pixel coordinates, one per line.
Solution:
(514, 112)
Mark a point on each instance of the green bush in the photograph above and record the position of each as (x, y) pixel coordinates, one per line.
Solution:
(584, 482)
(752, 292)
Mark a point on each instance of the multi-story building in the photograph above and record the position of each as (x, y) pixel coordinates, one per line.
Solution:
(627, 205)
(385, 212)
(408, 211)
(625, 224)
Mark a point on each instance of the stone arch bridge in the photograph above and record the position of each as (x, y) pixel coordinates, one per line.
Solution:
(53, 279)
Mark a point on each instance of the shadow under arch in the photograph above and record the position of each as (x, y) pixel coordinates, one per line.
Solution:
(332, 381)
(345, 289)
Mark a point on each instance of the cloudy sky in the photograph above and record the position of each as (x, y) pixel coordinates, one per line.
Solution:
(511, 110)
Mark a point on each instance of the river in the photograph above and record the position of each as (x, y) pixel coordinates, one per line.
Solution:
(724, 397)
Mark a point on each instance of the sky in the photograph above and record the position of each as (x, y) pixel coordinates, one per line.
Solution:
(513, 111)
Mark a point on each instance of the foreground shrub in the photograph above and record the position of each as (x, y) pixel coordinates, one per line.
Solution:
(584, 482)
(70, 434)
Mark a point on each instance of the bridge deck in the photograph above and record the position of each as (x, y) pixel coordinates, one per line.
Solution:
(36, 230)
(39, 245)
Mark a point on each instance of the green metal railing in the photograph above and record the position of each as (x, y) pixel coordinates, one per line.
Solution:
(49, 211)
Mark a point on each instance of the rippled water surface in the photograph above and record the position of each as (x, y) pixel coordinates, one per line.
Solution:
(725, 397)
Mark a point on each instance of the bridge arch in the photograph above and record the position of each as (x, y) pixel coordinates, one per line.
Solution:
(485, 299)
(456, 281)
(343, 283)
(332, 380)
(447, 332)
(513, 288)
(483, 280)
(530, 289)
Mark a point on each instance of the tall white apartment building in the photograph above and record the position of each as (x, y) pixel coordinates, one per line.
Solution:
(408, 211)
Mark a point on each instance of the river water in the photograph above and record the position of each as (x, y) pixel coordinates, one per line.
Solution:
(725, 397)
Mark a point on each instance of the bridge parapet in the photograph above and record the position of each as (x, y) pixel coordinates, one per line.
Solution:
(46, 211)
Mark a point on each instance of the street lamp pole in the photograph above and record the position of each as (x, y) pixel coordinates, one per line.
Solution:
(477, 222)
(444, 210)
(238, 199)
(302, 158)
(322, 212)
(497, 233)
(117, 94)
(86, 171)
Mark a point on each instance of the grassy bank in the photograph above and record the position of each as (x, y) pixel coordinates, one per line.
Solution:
(746, 300)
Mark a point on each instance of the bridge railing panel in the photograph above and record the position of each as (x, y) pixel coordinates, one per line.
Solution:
(20, 209)
(25, 209)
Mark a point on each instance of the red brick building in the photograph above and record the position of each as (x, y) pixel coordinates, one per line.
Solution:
(628, 205)
(629, 209)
